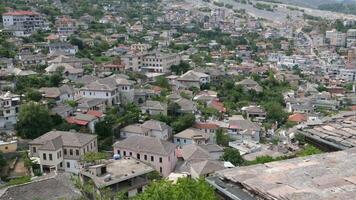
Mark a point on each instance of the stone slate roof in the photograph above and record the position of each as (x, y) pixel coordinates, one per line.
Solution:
(191, 133)
(192, 76)
(207, 166)
(155, 125)
(53, 144)
(318, 177)
(154, 105)
(147, 145)
(69, 138)
(54, 188)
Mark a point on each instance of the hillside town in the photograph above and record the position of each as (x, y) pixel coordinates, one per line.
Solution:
(176, 99)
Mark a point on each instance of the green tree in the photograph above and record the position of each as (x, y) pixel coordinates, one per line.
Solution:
(93, 156)
(162, 82)
(173, 109)
(2, 160)
(181, 68)
(222, 138)
(232, 155)
(183, 122)
(33, 121)
(185, 188)
(275, 112)
(33, 95)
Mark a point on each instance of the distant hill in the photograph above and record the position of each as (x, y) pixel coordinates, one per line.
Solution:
(348, 7)
(311, 3)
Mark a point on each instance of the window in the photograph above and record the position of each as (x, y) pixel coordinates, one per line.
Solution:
(160, 170)
(107, 94)
(44, 157)
(50, 156)
(178, 140)
(138, 156)
(160, 159)
(87, 148)
(94, 143)
(77, 152)
(118, 152)
(65, 151)
(91, 146)
(71, 152)
(68, 164)
(60, 164)
(124, 153)
(145, 157)
(130, 153)
(185, 141)
(34, 149)
(152, 159)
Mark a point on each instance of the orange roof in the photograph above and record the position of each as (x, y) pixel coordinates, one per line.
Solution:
(20, 12)
(353, 108)
(218, 105)
(72, 120)
(297, 117)
(205, 126)
(95, 113)
(52, 37)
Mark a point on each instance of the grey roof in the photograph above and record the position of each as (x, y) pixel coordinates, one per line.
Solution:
(207, 166)
(192, 133)
(86, 79)
(53, 145)
(195, 152)
(85, 117)
(134, 128)
(154, 105)
(250, 85)
(62, 108)
(58, 187)
(185, 104)
(89, 102)
(98, 86)
(155, 125)
(68, 138)
(245, 125)
(146, 144)
(192, 76)
(339, 132)
(317, 177)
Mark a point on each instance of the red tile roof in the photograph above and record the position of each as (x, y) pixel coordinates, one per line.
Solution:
(218, 105)
(72, 120)
(297, 117)
(95, 113)
(20, 12)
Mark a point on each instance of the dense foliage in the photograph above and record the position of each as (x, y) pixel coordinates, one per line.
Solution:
(185, 188)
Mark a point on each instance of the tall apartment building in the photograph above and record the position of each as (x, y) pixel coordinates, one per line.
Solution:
(160, 62)
(336, 38)
(351, 37)
(61, 150)
(151, 62)
(66, 26)
(23, 23)
(10, 104)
